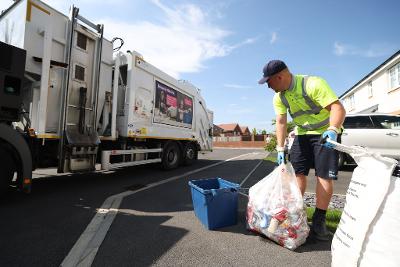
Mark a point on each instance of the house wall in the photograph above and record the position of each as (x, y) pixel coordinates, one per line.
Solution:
(385, 98)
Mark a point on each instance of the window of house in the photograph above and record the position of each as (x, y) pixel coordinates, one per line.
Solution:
(351, 101)
(398, 74)
(79, 73)
(394, 76)
(81, 41)
(370, 90)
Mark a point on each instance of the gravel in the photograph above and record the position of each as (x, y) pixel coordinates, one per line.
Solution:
(337, 201)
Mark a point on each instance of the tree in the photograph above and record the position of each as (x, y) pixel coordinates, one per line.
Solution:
(290, 125)
(254, 131)
(264, 132)
(271, 145)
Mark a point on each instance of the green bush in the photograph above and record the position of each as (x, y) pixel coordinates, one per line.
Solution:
(271, 145)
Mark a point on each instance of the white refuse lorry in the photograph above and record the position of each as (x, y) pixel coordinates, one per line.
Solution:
(68, 101)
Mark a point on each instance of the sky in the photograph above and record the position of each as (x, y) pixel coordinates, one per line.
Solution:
(222, 46)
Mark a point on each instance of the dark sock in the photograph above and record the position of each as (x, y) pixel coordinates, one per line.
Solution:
(320, 211)
(319, 214)
(319, 225)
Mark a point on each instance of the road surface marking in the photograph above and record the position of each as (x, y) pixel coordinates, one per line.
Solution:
(85, 249)
(250, 173)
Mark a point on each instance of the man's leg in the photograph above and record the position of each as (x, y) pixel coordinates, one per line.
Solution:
(324, 190)
(326, 162)
(301, 182)
(301, 159)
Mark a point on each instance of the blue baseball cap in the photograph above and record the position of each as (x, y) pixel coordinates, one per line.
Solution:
(272, 67)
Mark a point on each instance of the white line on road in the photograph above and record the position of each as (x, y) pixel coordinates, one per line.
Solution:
(85, 249)
(250, 173)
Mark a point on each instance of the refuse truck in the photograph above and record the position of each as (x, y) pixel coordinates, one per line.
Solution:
(68, 100)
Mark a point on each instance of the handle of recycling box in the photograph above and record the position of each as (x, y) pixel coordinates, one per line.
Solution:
(224, 190)
(214, 192)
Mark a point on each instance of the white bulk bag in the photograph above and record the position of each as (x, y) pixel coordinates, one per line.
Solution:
(368, 232)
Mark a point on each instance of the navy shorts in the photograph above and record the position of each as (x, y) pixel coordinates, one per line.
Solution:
(307, 152)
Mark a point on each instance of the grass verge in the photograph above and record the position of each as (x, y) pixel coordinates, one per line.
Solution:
(271, 158)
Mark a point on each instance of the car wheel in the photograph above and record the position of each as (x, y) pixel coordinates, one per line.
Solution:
(189, 154)
(171, 156)
(341, 160)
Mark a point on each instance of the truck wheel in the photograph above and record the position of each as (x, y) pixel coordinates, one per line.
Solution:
(6, 171)
(171, 156)
(189, 154)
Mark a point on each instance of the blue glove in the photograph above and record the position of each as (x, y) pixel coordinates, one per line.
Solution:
(281, 158)
(332, 135)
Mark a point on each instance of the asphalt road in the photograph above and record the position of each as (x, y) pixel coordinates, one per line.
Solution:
(141, 216)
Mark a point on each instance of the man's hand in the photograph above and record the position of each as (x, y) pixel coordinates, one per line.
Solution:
(281, 158)
(332, 135)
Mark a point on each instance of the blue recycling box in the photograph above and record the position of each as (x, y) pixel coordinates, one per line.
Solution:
(215, 202)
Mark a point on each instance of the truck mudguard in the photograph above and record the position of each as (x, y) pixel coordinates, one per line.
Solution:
(9, 135)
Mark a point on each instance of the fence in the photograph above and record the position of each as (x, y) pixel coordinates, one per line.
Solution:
(227, 138)
(240, 141)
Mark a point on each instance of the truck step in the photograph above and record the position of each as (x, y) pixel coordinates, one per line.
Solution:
(106, 154)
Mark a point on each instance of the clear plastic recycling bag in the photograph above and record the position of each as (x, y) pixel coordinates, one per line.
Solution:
(275, 208)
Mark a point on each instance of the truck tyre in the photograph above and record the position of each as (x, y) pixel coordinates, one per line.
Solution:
(189, 154)
(6, 171)
(171, 156)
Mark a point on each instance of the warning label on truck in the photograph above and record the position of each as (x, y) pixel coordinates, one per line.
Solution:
(172, 107)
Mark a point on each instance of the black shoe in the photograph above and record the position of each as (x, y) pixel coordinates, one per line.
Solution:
(322, 236)
(319, 231)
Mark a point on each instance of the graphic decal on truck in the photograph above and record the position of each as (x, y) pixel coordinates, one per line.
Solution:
(172, 107)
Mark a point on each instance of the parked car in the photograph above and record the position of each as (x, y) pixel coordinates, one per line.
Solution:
(378, 132)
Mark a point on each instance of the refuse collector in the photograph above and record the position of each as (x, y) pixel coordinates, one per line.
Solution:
(317, 113)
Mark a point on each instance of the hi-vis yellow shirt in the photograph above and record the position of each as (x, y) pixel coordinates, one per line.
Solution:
(318, 91)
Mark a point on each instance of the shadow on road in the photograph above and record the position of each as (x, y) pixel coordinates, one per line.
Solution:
(175, 196)
(150, 238)
(314, 245)
(102, 184)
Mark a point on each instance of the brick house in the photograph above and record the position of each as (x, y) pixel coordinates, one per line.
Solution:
(230, 129)
(217, 131)
(245, 130)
